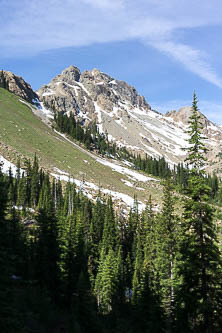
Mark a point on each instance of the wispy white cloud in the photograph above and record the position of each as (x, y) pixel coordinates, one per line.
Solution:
(106, 4)
(192, 59)
(30, 27)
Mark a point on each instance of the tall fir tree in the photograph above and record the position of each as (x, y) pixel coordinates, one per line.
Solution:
(200, 293)
(166, 230)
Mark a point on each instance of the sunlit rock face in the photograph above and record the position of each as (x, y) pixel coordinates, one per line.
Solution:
(124, 115)
(17, 85)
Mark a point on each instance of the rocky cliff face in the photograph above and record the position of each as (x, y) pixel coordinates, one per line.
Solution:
(84, 93)
(181, 117)
(121, 112)
(17, 85)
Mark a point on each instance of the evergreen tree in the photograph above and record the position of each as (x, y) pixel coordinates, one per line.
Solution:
(95, 236)
(166, 229)
(109, 238)
(199, 297)
(10, 319)
(108, 280)
(150, 244)
(3, 195)
(47, 256)
(34, 183)
(21, 192)
(74, 255)
(11, 189)
(138, 271)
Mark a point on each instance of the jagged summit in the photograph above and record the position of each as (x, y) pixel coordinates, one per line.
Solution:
(182, 115)
(17, 85)
(123, 114)
(72, 91)
(71, 73)
(119, 112)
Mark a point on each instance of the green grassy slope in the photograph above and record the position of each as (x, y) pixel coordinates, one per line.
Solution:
(25, 134)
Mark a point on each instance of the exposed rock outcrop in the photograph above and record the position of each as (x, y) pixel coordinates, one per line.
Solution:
(17, 85)
(79, 93)
(124, 115)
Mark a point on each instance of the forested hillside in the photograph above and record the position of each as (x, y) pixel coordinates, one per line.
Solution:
(74, 266)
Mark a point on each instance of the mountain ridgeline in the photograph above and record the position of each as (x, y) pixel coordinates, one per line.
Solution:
(71, 265)
(119, 112)
(126, 117)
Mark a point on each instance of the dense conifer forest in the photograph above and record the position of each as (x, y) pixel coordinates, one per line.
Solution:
(70, 265)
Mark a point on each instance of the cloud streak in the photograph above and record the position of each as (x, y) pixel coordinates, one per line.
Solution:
(192, 59)
(106, 4)
(31, 27)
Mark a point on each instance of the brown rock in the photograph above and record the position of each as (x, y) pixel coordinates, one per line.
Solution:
(17, 85)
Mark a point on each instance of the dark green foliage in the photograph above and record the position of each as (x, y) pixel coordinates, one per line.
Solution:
(11, 263)
(93, 140)
(159, 168)
(200, 269)
(166, 251)
(78, 265)
(3, 195)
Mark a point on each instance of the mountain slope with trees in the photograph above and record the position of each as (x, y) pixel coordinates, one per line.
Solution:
(23, 134)
(125, 116)
(73, 265)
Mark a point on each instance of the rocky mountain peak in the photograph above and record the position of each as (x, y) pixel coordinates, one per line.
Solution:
(71, 73)
(182, 115)
(17, 85)
(120, 111)
(83, 93)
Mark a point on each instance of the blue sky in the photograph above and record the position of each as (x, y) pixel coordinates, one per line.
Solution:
(165, 48)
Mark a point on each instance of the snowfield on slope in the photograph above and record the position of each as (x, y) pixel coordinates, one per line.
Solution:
(6, 165)
(131, 174)
(87, 187)
(125, 171)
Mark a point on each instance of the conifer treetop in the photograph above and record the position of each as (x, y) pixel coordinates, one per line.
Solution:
(197, 149)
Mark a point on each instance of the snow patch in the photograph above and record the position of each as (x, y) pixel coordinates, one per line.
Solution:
(128, 163)
(127, 183)
(49, 92)
(31, 210)
(129, 201)
(76, 88)
(118, 168)
(212, 127)
(47, 112)
(60, 171)
(86, 186)
(82, 86)
(113, 82)
(35, 101)
(6, 166)
(99, 115)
